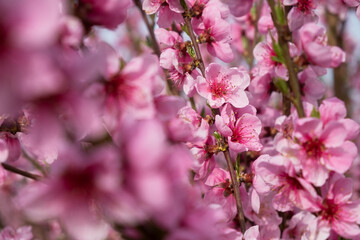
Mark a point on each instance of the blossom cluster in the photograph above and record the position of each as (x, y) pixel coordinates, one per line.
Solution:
(178, 120)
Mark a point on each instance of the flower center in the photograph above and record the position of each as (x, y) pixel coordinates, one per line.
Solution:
(79, 182)
(314, 148)
(305, 6)
(328, 210)
(218, 89)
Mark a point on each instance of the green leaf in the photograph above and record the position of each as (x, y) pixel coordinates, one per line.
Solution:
(183, 4)
(202, 114)
(276, 59)
(190, 51)
(282, 85)
(315, 113)
(280, 16)
(279, 53)
(217, 136)
(185, 29)
(122, 64)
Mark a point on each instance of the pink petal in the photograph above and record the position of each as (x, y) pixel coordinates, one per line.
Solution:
(221, 50)
(342, 190)
(222, 127)
(238, 98)
(345, 229)
(333, 135)
(340, 159)
(150, 6)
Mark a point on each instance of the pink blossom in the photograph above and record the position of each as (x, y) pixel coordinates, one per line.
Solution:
(189, 127)
(21, 233)
(354, 3)
(71, 32)
(322, 149)
(29, 24)
(108, 13)
(314, 43)
(167, 17)
(80, 190)
(152, 6)
(131, 90)
(224, 85)
(301, 13)
(312, 87)
(215, 32)
(304, 225)
(333, 109)
(241, 129)
(338, 212)
(10, 149)
(277, 174)
(239, 10)
(174, 56)
(221, 192)
(259, 208)
(261, 88)
(264, 53)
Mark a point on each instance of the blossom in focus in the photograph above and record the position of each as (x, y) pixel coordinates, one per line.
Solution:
(338, 211)
(223, 85)
(301, 13)
(320, 149)
(242, 129)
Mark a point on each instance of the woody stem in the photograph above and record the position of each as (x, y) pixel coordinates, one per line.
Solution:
(235, 182)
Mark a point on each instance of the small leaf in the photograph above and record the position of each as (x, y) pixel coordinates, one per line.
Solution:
(185, 29)
(217, 136)
(278, 51)
(280, 16)
(276, 59)
(315, 113)
(202, 114)
(190, 51)
(183, 4)
(282, 85)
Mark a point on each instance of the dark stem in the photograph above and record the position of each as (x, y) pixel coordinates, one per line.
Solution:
(195, 44)
(235, 182)
(286, 106)
(284, 36)
(336, 38)
(155, 46)
(34, 162)
(256, 35)
(20, 172)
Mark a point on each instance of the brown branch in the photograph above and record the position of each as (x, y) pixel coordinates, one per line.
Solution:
(336, 38)
(195, 44)
(155, 45)
(284, 36)
(259, 7)
(236, 186)
(20, 172)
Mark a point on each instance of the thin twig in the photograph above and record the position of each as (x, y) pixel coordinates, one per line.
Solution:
(154, 43)
(236, 186)
(336, 38)
(256, 35)
(195, 44)
(283, 37)
(155, 46)
(34, 162)
(20, 172)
